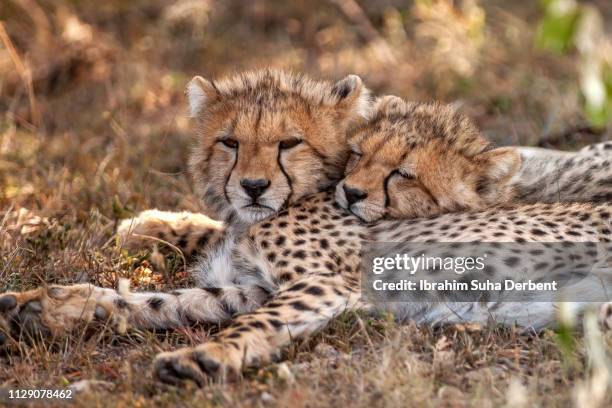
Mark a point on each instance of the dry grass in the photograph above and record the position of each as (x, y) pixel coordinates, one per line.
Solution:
(93, 128)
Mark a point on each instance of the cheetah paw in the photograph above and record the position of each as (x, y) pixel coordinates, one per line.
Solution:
(209, 360)
(55, 310)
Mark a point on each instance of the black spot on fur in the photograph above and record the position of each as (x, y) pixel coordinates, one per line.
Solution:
(512, 261)
(298, 286)
(202, 241)
(155, 303)
(257, 325)
(216, 292)
(315, 291)
(277, 324)
(285, 277)
(299, 305)
(299, 254)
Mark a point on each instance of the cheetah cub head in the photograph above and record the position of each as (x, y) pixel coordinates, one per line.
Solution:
(267, 138)
(419, 159)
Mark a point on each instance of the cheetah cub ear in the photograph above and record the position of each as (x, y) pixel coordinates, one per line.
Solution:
(351, 95)
(497, 167)
(200, 92)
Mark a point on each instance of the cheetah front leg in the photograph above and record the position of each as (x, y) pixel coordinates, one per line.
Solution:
(257, 337)
(191, 233)
(55, 310)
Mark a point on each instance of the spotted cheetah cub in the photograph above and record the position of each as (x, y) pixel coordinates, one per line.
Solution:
(264, 139)
(419, 159)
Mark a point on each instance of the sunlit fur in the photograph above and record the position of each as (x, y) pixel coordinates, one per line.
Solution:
(417, 159)
(258, 110)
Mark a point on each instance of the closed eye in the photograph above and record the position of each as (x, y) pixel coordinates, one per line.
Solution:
(405, 174)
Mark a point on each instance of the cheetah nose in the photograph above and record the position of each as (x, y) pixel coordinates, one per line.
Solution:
(255, 188)
(353, 194)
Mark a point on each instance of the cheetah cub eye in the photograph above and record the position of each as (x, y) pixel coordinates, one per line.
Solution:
(290, 143)
(228, 142)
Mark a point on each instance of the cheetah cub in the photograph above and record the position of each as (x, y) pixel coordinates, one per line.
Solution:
(419, 159)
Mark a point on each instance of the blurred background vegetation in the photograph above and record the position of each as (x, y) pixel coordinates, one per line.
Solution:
(92, 113)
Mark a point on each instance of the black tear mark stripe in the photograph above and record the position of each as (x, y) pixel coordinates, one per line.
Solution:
(289, 182)
(386, 189)
(229, 175)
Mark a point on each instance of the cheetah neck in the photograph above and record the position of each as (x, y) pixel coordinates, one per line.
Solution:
(550, 176)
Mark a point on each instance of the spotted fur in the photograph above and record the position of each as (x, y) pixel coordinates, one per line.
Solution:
(289, 275)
